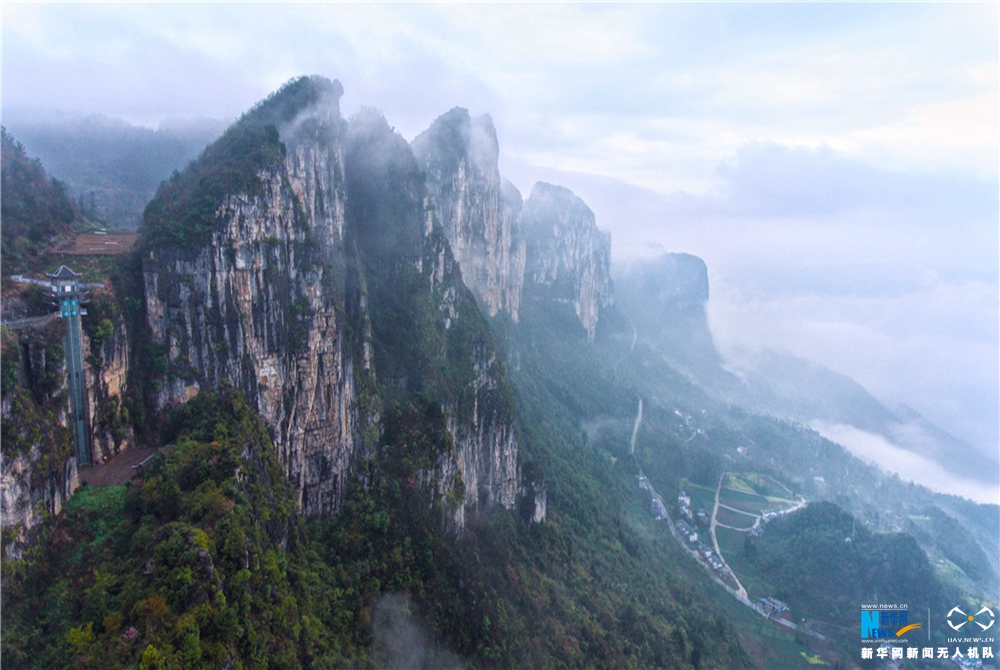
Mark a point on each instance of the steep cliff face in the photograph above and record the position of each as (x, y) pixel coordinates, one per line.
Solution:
(568, 258)
(261, 303)
(481, 219)
(430, 339)
(486, 448)
(39, 470)
(108, 356)
(548, 248)
(320, 284)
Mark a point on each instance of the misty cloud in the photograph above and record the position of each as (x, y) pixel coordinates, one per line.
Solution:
(401, 642)
(933, 348)
(770, 179)
(909, 466)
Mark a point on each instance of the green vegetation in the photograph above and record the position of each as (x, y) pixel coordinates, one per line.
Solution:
(10, 361)
(688, 439)
(112, 168)
(113, 417)
(299, 315)
(206, 563)
(98, 322)
(825, 566)
(36, 424)
(953, 543)
(702, 497)
(35, 209)
(429, 338)
(188, 565)
(32, 382)
(189, 568)
(752, 502)
(649, 591)
(735, 519)
(182, 213)
(102, 332)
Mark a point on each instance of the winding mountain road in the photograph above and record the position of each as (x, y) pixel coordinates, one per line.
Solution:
(635, 429)
(741, 592)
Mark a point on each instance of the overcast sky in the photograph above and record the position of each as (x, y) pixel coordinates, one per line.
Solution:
(835, 165)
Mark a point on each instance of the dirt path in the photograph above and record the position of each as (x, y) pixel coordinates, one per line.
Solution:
(741, 592)
(118, 470)
(635, 429)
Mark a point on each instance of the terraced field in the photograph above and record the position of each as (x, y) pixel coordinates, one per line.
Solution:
(738, 520)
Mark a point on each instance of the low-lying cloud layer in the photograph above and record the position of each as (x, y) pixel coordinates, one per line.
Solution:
(401, 642)
(908, 465)
(888, 277)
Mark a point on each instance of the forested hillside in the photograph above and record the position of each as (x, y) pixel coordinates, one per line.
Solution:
(35, 209)
(111, 168)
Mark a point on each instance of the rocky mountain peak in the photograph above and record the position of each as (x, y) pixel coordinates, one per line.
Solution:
(455, 136)
(665, 298)
(321, 286)
(459, 155)
(568, 258)
(297, 101)
(673, 279)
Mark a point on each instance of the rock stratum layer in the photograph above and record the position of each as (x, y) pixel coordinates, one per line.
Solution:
(548, 248)
(39, 470)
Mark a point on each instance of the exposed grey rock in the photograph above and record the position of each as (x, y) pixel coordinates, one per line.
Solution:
(39, 474)
(263, 306)
(568, 258)
(479, 213)
(278, 302)
(107, 384)
(665, 299)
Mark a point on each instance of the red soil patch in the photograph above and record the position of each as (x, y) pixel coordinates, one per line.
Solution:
(89, 244)
(117, 470)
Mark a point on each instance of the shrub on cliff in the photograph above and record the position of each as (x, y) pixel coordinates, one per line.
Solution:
(182, 212)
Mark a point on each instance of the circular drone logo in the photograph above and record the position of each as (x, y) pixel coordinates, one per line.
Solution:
(984, 618)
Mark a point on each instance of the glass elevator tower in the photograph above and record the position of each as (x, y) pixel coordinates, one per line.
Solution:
(66, 290)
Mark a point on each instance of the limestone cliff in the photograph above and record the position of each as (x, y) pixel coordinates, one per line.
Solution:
(38, 467)
(301, 258)
(324, 267)
(547, 249)
(568, 258)
(481, 220)
(108, 357)
(665, 299)
(430, 339)
(261, 301)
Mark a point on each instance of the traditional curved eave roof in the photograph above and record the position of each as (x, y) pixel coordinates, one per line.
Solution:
(64, 273)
